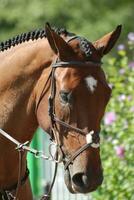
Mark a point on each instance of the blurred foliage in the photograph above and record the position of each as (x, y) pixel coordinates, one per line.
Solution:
(118, 128)
(90, 18)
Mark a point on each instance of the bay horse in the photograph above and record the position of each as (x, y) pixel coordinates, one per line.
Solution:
(66, 68)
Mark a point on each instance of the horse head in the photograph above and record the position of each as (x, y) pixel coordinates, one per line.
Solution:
(80, 94)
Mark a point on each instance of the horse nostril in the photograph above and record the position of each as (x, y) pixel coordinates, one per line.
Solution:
(80, 180)
(65, 96)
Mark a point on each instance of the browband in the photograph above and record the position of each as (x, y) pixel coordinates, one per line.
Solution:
(76, 63)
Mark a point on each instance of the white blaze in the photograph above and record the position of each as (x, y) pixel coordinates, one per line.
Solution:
(91, 83)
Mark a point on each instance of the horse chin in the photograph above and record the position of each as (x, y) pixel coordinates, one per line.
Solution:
(68, 182)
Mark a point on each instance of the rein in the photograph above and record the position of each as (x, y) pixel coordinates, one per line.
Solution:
(6, 193)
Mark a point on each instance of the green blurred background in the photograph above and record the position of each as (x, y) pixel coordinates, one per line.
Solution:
(92, 19)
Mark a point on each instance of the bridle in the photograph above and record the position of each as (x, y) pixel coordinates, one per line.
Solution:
(94, 137)
(60, 155)
(55, 120)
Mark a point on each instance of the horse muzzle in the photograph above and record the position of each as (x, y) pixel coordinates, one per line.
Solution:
(80, 181)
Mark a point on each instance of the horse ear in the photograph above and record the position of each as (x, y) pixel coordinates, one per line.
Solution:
(50, 38)
(57, 43)
(106, 43)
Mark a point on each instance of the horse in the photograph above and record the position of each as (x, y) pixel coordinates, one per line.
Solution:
(53, 79)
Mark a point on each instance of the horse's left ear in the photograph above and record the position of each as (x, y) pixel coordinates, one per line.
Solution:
(106, 43)
(57, 43)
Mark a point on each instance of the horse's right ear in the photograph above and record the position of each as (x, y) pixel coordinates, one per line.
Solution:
(57, 43)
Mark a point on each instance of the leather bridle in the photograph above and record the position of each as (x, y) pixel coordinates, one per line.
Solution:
(94, 139)
(55, 120)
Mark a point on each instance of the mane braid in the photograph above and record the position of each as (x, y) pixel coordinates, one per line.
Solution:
(33, 35)
(85, 47)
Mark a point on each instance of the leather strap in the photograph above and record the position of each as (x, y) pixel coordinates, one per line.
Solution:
(68, 126)
(4, 193)
(77, 153)
(76, 64)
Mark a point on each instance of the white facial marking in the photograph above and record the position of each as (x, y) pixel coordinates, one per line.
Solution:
(91, 83)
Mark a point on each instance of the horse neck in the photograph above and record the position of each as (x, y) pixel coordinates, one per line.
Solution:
(20, 70)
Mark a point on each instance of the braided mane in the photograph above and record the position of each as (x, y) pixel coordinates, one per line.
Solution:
(41, 33)
(33, 35)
